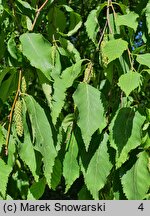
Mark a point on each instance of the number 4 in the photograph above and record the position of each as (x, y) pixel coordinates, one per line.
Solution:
(141, 207)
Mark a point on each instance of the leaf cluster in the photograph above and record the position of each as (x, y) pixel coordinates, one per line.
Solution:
(74, 99)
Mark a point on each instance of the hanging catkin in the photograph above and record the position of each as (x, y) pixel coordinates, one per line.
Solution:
(23, 85)
(104, 58)
(18, 118)
(88, 73)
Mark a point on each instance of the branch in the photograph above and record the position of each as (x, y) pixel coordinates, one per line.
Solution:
(37, 14)
(108, 20)
(101, 37)
(111, 4)
(11, 112)
(106, 23)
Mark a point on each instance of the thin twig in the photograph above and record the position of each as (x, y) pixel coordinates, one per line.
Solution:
(37, 14)
(11, 112)
(101, 37)
(111, 4)
(108, 20)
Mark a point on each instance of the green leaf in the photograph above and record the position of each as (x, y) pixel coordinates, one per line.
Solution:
(8, 86)
(28, 23)
(129, 81)
(61, 84)
(123, 64)
(98, 169)
(9, 197)
(146, 70)
(55, 59)
(24, 4)
(91, 111)
(24, 8)
(70, 163)
(11, 46)
(147, 14)
(2, 140)
(42, 135)
(46, 87)
(5, 71)
(11, 152)
(37, 189)
(3, 45)
(68, 122)
(92, 23)
(11, 158)
(19, 184)
(144, 59)
(57, 174)
(113, 49)
(56, 21)
(75, 21)
(129, 20)
(136, 181)
(26, 149)
(125, 133)
(84, 194)
(5, 171)
(70, 49)
(37, 50)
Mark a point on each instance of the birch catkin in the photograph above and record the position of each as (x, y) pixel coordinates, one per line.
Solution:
(104, 58)
(18, 118)
(23, 85)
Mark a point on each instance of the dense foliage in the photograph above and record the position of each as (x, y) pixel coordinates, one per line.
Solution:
(74, 99)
